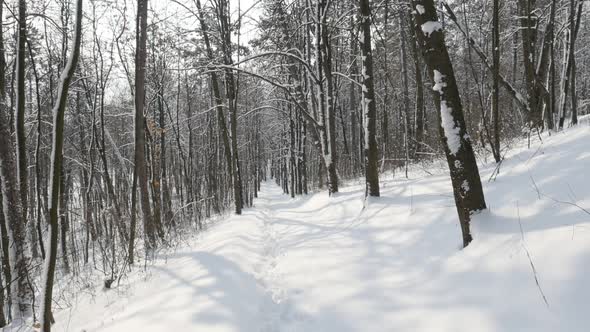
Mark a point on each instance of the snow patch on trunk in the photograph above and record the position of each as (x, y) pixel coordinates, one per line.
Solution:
(430, 27)
(451, 130)
(420, 9)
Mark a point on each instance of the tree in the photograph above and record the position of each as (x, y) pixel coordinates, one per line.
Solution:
(18, 250)
(325, 94)
(140, 158)
(223, 16)
(568, 77)
(465, 179)
(56, 171)
(20, 106)
(495, 79)
(368, 102)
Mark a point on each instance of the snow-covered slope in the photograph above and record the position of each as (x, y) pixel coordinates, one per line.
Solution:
(326, 264)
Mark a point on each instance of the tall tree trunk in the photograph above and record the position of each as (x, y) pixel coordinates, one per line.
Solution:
(528, 25)
(573, 70)
(550, 109)
(18, 251)
(218, 102)
(495, 79)
(140, 157)
(369, 103)
(465, 178)
(405, 90)
(133, 221)
(63, 219)
(21, 144)
(4, 118)
(569, 63)
(55, 175)
(5, 265)
(231, 95)
(419, 110)
(326, 96)
(353, 107)
(16, 245)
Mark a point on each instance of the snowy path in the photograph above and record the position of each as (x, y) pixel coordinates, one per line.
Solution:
(321, 264)
(227, 281)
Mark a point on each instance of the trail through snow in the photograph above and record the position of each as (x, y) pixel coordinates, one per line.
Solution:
(320, 263)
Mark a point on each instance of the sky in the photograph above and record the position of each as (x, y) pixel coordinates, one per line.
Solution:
(170, 11)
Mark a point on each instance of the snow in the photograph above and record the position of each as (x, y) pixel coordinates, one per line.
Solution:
(465, 186)
(320, 263)
(420, 9)
(430, 27)
(439, 84)
(450, 128)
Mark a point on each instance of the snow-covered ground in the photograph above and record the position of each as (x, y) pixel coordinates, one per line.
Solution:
(326, 264)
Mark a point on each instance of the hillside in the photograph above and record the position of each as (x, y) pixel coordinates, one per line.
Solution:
(333, 264)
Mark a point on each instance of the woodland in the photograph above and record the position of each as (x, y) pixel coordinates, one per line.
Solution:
(125, 125)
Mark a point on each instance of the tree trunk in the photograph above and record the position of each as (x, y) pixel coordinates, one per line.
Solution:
(14, 236)
(63, 219)
(568, 72)
(21, 156)
(465, 178)
(231, 95)
(419, 110)
(326, 96)
(56, 165)
(528, 25)
(218, 103)
(369, 103)
(133, 221)
(495, 79)
(140, 158)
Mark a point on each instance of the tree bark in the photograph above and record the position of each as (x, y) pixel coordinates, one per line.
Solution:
(467, 188)
(326, 96)
(218, 102)
(419, 110)
(495, 79)
(55, 175)
(369, 103)
(16, 246)
(528, 24)
(21, 144)
(140, 158)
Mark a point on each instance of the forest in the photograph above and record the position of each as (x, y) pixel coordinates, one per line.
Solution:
(129, 127)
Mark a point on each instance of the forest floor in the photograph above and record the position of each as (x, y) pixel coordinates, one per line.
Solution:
(395, 263)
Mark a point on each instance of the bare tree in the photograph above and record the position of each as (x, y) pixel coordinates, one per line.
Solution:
(21, 143)
(56, 171)
(495, 79)
(465, 178)
(369, 102)
(140, 158)
(17, 246)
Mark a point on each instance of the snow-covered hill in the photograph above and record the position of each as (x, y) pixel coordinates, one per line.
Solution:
(326, 264)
